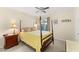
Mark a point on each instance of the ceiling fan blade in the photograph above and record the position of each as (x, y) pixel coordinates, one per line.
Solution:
(44, 11)
(36, 11)
(42, 8)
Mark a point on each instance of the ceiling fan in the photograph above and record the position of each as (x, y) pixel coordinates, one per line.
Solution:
(42, 9)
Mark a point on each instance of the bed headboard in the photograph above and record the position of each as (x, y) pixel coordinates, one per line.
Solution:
(26, 29)
(29, 29)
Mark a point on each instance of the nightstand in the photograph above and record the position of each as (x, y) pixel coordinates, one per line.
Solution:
(10, 40)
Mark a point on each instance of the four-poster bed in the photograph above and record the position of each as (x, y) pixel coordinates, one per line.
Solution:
(39, 40)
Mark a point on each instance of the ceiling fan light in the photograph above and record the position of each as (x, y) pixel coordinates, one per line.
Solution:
(42, 9)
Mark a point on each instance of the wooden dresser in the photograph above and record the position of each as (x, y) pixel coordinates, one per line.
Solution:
(10, 41)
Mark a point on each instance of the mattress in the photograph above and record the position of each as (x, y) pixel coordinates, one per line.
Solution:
(72, 46)
(33, 38)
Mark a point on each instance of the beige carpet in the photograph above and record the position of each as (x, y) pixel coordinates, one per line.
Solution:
(59, 46)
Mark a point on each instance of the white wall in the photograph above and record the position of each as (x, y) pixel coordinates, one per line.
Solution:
(76, 23)
(7, 14)
(63, 31)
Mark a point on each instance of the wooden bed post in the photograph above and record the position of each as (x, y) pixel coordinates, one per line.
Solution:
(20, 26)
(40, 31)
(52, 31)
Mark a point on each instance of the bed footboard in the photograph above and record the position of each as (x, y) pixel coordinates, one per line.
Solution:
(47, 43)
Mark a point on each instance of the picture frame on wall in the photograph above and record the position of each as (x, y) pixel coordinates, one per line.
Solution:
(66, 20)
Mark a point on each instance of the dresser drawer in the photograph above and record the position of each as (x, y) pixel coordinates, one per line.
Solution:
(11, 41)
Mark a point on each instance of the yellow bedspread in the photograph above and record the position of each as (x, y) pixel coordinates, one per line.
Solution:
(32, 40)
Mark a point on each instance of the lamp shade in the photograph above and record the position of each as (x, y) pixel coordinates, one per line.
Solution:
(13, 22)
(14, 26)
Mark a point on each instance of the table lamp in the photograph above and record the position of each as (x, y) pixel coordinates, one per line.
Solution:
(13, 27)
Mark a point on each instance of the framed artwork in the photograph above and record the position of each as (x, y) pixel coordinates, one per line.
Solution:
(66, 20)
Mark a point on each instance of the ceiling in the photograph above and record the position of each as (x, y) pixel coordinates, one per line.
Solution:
(32, 10)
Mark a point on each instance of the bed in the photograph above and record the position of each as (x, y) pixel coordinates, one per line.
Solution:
(39, 40)
(33, 39)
